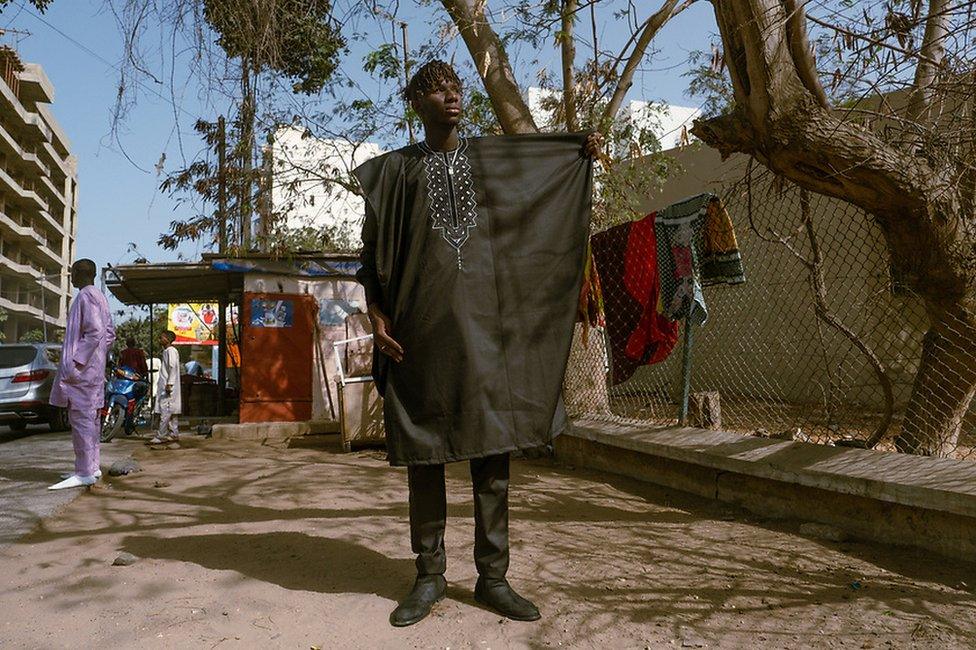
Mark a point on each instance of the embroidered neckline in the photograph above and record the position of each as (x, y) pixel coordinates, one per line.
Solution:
(450, 190)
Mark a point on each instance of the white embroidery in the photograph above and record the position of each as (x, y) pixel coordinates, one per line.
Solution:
(450, 191)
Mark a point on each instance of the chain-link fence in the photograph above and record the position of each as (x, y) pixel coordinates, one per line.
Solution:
(822, 343)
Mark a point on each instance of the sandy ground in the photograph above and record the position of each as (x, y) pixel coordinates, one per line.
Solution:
(30, 461)
(305, 547)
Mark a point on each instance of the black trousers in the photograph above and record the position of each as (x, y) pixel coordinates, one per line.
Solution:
(428, 516)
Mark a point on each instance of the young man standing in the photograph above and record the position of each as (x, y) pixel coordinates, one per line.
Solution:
(473, 252)
(80, 383)
(169, 401)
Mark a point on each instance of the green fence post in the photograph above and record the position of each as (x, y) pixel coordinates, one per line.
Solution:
(686, 372)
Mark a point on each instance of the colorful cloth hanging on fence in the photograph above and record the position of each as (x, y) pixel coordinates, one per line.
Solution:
(721, 260)
(652, 272)
(696, 246)
(639, 332)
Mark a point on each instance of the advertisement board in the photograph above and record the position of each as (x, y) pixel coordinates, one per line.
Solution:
(194, 323)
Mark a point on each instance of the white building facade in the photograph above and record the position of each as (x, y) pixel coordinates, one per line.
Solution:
(38, 202)
(669, 123)
(309, 184)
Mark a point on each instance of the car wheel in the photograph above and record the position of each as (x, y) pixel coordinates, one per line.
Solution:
(18, 426)
(59, 420)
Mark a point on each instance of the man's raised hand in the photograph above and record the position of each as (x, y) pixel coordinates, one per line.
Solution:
(594, 144)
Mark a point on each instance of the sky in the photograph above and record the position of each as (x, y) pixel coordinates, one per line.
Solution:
(79, 45)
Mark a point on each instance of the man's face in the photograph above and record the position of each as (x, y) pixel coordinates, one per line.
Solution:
(164, 340)
(441, 106)
(79, 277)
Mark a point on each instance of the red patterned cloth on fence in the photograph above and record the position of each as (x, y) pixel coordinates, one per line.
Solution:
(626, 258)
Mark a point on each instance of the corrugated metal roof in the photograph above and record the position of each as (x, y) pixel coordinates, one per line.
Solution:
(145, 284)
(215, 278)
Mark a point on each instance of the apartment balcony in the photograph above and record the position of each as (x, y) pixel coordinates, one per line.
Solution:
(57, 136)
(24, 309)
(33, 123)
(23, 271)
(54, 223)
(27, 198)
(15, 153)
(59, 162)
(50, 286)
(55, 192)
(34, 84)
(49, 255)
(20, 232)
(35, 164)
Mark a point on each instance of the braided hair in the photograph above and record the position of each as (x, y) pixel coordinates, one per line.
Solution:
(429, 78)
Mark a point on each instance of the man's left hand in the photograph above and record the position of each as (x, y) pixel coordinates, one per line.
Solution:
(594, 143)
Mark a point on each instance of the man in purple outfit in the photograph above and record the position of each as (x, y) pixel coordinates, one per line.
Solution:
(80, 383)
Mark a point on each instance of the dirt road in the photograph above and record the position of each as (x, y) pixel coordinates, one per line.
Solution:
(260, 546)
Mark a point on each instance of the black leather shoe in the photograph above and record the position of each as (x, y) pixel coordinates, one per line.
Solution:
(426, 591)
(499, 595)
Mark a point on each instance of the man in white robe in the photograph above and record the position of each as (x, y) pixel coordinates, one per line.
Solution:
(169, 403)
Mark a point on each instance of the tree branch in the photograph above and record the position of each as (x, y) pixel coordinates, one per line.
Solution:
(781, 120)
(932, 51)
(868, 39)
(651, 27)
(492, 63)
(568, 54)
(796, 35)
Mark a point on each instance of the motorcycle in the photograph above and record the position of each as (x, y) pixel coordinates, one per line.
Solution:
(126, 394)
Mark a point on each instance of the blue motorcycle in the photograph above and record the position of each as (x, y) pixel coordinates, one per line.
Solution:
(126, 395)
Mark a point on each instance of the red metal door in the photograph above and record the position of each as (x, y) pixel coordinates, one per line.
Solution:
(276, 358)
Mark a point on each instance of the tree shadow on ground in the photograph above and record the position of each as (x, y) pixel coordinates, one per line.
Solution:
(723, 561)
(290, 560)
(610, 550)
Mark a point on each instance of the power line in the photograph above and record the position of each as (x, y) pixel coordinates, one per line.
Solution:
(103, 60)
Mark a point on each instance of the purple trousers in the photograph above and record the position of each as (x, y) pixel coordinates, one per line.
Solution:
(85, 432)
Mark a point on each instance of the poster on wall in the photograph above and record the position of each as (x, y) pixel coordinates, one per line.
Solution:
(194, 323)
(272, 313)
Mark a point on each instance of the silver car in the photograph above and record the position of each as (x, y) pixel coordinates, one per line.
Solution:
(27, 373)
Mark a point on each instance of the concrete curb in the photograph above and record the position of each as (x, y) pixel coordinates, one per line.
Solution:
(261, 431)
(892, 498)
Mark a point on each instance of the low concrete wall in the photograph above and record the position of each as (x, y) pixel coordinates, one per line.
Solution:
(261, 430)
(891, 498)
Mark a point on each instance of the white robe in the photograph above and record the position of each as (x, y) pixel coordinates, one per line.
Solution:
(169, 374)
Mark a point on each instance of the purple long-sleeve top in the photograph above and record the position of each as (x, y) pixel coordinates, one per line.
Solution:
(80, 382)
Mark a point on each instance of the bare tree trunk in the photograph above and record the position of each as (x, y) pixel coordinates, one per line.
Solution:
(568, 47)
(248, 111)
(780, 119)
(943, 389)
(492, 63)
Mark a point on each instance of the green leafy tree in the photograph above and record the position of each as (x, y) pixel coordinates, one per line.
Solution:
(54, 335)
(243, 49)
(135, 325)
(295, 38)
